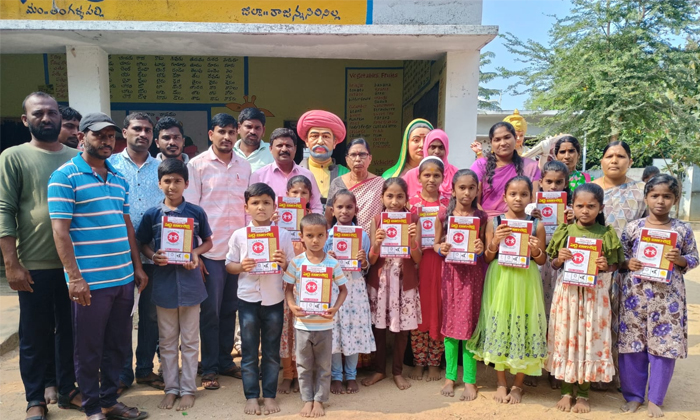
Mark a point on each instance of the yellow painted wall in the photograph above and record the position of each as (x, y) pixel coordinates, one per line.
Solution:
(20, 74)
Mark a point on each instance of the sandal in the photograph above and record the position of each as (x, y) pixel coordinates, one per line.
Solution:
(152, 380)
(210, 382)
(234, 372)
(121, 411)
(65, 402)
(41, 404)
(98, 416)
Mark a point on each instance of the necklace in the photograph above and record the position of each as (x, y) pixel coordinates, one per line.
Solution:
(659, 224)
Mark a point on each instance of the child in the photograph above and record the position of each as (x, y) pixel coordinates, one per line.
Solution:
(512, 328)
(462, 286)
(653, 315)
(436, 144)
(314, 333)
(426, 341)
(297, 186)
(260, 303)
(649, 173)
(352, 326)
(177, 289)
(393, 288)
(579, 337)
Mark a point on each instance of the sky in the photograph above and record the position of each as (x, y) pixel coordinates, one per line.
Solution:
(525, 19)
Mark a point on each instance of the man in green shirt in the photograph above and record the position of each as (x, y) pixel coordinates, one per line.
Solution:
(32, 265)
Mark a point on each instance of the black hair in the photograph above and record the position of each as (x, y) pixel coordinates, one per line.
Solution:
(650, 172)
(37, 93)
(599, 196)
(165, 123)
(258, 189)
(69, 114)
(251, 114)
(307, 183)
(519, 178)
(491, 157)
(222, 120)
(361, 142)
(453, 200)
(437, 162)
(557, 166)
(618, 143)
(661, 179)
(173, 166)
(137, 116)
(567, 139)
(391, 181)
(346, 193)
(283, 132)
(313, 219)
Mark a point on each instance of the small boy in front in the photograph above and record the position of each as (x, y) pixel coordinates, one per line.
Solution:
(260, 303)
(314, 332)
(178, 289)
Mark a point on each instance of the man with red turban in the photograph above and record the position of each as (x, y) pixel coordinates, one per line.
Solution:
(322, 131)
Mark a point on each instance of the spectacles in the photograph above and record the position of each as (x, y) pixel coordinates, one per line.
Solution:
(362, 156)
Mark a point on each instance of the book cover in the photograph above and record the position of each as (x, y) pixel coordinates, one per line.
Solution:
(428, 218)
(462, 233)
(176, 239)
(290, 211)
(653, 245)
(263, 241)
(347, 241)
(395, 244)
(514, 250)
(581, 269)
(551, 206)
(315, 290)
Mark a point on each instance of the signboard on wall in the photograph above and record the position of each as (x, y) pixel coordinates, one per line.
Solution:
(338, 12)
(373, 111)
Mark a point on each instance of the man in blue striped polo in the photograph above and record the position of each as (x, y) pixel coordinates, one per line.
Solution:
(89, 209)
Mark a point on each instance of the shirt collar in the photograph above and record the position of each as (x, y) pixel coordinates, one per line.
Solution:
(276, 166)
(180, 209)
(326, 167)
(262, 146)
(183, 155)
(212, 156)
(125, 154)
(85, 168)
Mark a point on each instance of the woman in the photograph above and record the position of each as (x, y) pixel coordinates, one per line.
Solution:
(436, 144)
(411, 148)
(367, 187)
(499, 166)
(568, 151)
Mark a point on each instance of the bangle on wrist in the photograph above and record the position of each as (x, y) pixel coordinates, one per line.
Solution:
(439, 252)
(488, 248)
(538, 255)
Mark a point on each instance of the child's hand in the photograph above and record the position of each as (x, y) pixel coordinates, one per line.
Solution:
(279, 257)
(275, 217)
(329, 313)
(332, 254)
(362, 257)
(564, 254)
(411, 231)
(674, 256)
(569, 215)
(478, 246)
(536, 213)
(445, 248)
(159, 258)
(634, 265)
(297, 311)
(477, 147)
(248, 264)
(502, 232)
(194, 263)
(379, 237)
(602, 263)
(534, 243)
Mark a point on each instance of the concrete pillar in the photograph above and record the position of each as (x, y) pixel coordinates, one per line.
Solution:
(88, 79)
(461, 101)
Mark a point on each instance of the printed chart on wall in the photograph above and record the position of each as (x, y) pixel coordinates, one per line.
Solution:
(373, 99)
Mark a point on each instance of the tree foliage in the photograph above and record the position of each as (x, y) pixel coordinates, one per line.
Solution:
(619, 70)
(485, 94)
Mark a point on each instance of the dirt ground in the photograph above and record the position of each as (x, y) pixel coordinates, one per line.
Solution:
(421, 401)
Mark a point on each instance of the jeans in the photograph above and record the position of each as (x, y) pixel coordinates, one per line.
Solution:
(261, 326)
(46, 335)
(147, 336)
(217, 320)
(350, 367)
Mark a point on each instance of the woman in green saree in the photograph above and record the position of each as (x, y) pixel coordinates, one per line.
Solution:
(411, 148)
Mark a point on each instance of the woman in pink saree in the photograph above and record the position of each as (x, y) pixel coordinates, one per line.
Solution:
(436, 144)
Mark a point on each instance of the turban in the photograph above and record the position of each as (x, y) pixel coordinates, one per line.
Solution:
(517, 121)
(320, 118)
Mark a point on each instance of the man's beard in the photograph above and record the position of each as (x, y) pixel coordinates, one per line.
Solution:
(47, 134)
(94, 152)
(251, 142)
(321, 156)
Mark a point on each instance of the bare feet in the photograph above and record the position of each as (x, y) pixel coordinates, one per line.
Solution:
(252, 407)
(51, 395)
(186, 402)
(318, 410)
(353, 388)
(401, 382)
(565, 403)
(416, 373)
(167, 402)
(501, 394)
(307, 409)
(554, 383)
(270, 406)
(371, 380)
(448, 389)
(469, 393)
(654, 410)
(285, 387)
(295, 385)
(516, 395)
(582, 406)
(434, 373)
(337, 387)
(630, 407)
(530, 380)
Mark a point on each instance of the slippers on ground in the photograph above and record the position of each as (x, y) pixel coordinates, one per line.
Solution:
(234, 372)
(210, 382)
(152, 380)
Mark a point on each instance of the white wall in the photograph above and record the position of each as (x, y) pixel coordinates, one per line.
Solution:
(427, 12)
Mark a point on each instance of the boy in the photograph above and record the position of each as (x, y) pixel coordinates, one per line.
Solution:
(260, 302)
(649, 173)
(314, 332)
(177, 289)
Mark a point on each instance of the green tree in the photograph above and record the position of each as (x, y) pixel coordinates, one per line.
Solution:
(619, 70)
(485, 94)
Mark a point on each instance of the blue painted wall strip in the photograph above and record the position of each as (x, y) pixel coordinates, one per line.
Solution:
(370, 12)
(46, 69)
(245, 75)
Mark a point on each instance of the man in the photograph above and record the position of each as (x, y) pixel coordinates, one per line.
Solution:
(69, 127)
(322, 131)
(140, 170)
(170, 139)
(89, 209)
(251, 123)
(283, 144)
(218, 180)
(32, 266)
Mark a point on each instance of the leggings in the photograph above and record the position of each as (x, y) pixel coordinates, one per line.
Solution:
(582, 392)
(468, 361)
(426, 351)
(289, 368)
(400, 342)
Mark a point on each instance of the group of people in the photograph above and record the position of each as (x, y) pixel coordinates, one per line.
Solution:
(80, 233)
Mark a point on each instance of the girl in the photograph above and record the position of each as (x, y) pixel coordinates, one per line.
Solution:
(426, 342)
(297, 186)
(653, 315)
(393, 288)
(352, 325)
(436, 144)
(462, 286)
(579, 338)
(512, 327)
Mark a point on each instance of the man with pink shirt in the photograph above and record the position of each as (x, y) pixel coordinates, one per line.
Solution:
(218, 179)
(283, 145)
